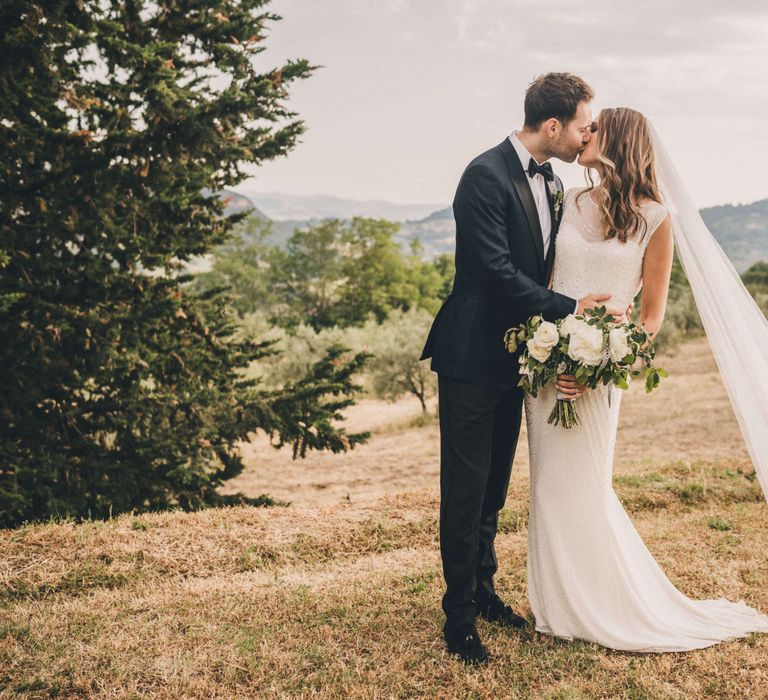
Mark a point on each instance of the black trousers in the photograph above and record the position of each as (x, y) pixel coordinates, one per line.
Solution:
(479, 428)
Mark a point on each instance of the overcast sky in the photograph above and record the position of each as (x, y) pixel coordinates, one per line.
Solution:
(411, 90)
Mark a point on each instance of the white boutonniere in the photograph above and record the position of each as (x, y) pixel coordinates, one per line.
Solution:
(557, 203)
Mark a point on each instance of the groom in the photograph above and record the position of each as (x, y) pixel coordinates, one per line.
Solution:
(507, 217)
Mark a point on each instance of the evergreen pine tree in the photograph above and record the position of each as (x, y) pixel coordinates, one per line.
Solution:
(120, 388)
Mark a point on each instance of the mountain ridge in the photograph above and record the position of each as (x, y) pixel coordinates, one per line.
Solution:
(741, 229)
(288, 207)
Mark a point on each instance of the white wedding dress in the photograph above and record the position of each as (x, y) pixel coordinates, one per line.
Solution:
(589, 574)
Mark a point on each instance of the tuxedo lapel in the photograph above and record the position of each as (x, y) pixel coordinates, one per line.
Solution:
(556, 186)
(523, 189)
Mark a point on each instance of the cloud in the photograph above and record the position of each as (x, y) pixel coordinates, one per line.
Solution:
(609, 28)
(697, 52)
(413, 88)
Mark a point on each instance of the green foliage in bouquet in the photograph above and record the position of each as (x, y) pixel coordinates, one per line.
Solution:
(122, 389)
(592, 347)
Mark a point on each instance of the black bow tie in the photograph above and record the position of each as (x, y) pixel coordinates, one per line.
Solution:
(545, 170)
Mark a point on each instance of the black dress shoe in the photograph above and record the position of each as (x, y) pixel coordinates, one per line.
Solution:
(464, 642)
(494, 609)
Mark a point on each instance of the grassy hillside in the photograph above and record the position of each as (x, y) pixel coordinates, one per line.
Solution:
(337, 596)
(342, 602)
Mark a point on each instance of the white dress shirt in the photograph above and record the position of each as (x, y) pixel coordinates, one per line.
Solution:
(540, 196)
(538, 189)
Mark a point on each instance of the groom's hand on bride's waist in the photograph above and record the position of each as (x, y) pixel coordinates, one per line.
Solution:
(595, 301)
(567, 385)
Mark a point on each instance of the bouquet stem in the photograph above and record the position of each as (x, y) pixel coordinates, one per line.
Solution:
(564, 413)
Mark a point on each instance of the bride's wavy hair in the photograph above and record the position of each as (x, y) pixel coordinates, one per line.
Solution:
(625, 150)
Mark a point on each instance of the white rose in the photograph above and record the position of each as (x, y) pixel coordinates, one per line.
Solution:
(586, 345)
(546, 335)
(537, 352)
(569, 324)
(618, 341)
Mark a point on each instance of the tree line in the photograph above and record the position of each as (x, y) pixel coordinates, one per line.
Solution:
(335, 273)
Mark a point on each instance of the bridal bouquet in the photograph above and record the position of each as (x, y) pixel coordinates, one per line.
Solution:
(593, 348)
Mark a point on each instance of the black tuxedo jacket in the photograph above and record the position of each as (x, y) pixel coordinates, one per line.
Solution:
(501, 272)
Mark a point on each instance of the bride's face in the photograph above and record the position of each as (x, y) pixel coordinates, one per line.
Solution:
(588, 157)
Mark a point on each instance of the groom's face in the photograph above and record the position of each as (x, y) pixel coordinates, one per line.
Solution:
(574, 136)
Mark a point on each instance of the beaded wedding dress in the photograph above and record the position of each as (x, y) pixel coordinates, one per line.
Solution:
(589, 574)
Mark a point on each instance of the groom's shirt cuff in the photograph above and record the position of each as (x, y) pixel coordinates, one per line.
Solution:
(576, 310)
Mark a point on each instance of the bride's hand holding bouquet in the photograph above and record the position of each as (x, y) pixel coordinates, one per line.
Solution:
(592, 347)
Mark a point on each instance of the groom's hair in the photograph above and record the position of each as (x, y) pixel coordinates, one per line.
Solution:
(554, 95)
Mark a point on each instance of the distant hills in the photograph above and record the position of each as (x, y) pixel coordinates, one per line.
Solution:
(742, 230)
(288, 207)
(236, 202)
(435, 232)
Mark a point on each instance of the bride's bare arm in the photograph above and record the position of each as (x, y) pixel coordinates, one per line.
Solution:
(657, 268)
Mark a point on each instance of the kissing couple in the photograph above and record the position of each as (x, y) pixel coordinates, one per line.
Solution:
(525, 247)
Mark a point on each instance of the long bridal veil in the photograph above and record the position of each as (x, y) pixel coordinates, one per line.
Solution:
(735, 326)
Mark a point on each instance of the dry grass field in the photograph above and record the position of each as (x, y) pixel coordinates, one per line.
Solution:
(337, 596)
(688, 417)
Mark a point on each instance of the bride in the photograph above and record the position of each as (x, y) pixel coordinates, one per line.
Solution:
(589, 574)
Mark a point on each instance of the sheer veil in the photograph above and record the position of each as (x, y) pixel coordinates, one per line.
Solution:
(735, 326)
